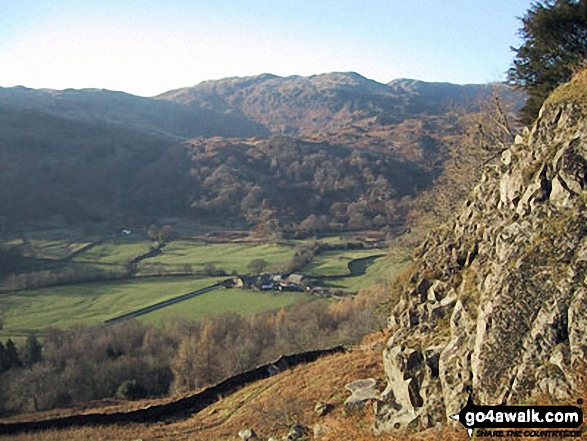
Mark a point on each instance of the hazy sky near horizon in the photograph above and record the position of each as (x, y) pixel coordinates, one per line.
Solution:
(146, 47)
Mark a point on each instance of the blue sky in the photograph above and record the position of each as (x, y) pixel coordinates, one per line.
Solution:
(147, 47)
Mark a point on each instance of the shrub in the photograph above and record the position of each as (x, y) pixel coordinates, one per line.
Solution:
(131, 390)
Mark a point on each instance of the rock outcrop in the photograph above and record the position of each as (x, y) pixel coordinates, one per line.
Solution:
(496, 302)
(362, 391)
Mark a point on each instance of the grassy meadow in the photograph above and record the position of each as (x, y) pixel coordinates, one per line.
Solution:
(231, 257)
(53, 249)
(118, 252)
(216, 302)
(380, 270)
(157, 279)
(336, 263)
(87, 303)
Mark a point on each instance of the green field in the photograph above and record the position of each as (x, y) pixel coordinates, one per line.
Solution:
(335, 263)
(24, 312)
(381, 270)
(227, 256)
(87, 303)
(222, 300)
(52, 249)
(115, 252)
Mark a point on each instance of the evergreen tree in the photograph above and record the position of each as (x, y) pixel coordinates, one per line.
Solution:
(555, 43)
(3, 358)
(12, 355)
(32, 351)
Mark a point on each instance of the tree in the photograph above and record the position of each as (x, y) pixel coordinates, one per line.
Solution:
(488, 126)
(131, 390)
(184, 365)
(256, 266)
(158, 234)
(32, 351)
(209, 354)
(12, 354)
(3, 358)
(555, 43)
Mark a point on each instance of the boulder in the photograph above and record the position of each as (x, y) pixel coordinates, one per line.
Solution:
(295, 433)
(362, 391)
(322, 409)
(247, 433)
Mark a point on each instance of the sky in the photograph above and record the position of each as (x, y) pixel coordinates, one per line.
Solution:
(147, 47)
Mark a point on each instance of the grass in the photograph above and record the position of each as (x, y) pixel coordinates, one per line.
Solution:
(575, 90)
(89, 303)
(269, 406)
(227, 256)
(52, 249)
(382, 269)
(335, 263)
(115, 252)
(31, 311)
(216, 302)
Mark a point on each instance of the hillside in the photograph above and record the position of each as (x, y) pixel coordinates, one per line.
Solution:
(327, 104)
(271, 407)
(55, 169)
(270, 150)
(492, 305)
(123, 110)
(495, 301)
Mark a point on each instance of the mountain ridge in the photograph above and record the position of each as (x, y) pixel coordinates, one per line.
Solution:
(336, 111)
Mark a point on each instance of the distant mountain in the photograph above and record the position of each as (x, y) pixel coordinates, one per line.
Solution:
(98, 106)
(325, 106)
(333, 149)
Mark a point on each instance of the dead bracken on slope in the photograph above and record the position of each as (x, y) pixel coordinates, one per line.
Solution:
(496, 302)
(270, 406)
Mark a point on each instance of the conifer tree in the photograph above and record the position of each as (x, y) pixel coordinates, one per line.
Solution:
(32, 351)
(3, 358)
(12, 355)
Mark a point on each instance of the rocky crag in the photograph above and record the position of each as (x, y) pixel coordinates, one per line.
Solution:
(495, 302)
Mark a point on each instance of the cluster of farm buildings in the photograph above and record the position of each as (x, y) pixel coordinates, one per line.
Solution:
(274, 282)
(281, 282)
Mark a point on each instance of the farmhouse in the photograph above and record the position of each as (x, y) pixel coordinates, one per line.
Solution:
(273, 282)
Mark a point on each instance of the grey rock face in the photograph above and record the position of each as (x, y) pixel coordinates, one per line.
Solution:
(496, 303)
(362, 392)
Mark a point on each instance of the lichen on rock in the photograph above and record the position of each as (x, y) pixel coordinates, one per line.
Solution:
(495, 305)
